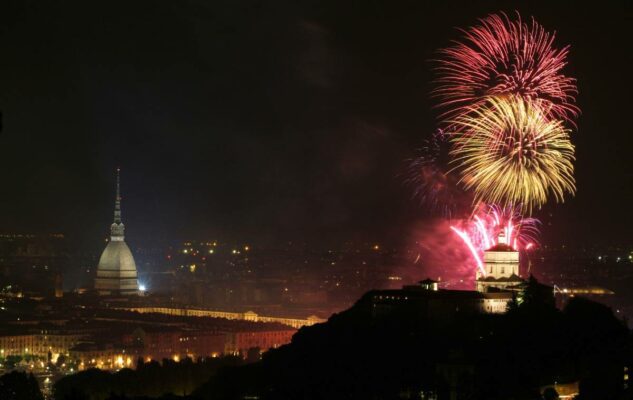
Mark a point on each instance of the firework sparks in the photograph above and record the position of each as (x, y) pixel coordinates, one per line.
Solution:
(481, 232)
(505, 57)
(510, 152)
(473, 250)
(505, 102)
(431, 180)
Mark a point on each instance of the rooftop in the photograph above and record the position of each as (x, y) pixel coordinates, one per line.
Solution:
(501, 247)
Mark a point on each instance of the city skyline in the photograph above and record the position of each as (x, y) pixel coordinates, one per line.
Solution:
(315, 200)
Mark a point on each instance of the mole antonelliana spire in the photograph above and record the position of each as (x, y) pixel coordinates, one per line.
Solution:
(116, 272)
(117, 228)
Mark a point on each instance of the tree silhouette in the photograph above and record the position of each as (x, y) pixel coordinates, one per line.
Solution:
(19, 386)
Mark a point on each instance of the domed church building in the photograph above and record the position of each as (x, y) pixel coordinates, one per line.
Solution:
(116, 272)
(501, 263)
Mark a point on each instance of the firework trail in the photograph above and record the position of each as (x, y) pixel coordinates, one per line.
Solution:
(469, 243)
(504, 57)
(482, 231)
(510, 152)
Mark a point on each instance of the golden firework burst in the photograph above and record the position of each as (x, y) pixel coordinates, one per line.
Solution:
(508, 151)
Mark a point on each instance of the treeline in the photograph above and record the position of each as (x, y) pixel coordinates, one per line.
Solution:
(149, 379)
(19, 386)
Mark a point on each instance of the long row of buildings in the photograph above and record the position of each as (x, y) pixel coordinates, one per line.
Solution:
(230, 315)
(159, 343)
(95, 336)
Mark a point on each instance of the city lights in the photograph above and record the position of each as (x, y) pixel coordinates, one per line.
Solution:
(354, 201)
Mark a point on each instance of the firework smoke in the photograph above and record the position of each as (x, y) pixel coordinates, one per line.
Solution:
(482, 231)
(441, 255)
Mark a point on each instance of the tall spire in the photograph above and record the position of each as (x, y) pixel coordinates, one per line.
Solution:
(117, 201)
(117, 228)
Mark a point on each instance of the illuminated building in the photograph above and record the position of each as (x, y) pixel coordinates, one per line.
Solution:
(116, 272)
(501, 264)
(157, 343)
(565, 391)
(38, 345)
(426, 300)
(245, 316)
(264, 338)
(102, 356)
(429, 284)
(178, 343)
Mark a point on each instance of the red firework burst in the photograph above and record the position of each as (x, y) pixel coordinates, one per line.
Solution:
(480, 232)
(503, 56)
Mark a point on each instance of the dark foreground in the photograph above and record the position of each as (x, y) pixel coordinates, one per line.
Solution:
(356, 355)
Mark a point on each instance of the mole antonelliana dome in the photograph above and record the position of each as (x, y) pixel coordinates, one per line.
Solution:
(116, 272)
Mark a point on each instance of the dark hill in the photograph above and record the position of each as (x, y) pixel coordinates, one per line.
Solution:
(470, 356)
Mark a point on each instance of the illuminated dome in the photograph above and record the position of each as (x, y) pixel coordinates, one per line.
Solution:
(116, 272)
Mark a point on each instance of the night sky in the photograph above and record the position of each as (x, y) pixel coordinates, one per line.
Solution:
(269, 121)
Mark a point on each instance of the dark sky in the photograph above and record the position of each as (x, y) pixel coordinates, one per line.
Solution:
(270, 120)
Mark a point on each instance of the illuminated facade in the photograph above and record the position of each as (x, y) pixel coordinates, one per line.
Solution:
(177, 344)
(38, 345)
(167, 343)
(241, 341)
(427, 300)
(245, 316)
(90, 355)
(116, 272)
(501, 264)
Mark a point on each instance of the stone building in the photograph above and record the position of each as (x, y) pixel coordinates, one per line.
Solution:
(501, 264)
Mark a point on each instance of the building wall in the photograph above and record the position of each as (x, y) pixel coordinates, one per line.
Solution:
(159, 345)
(108, 359)
(240, 342)
(501, 264)
(246, 316)
(482, 286)
(202, 344)
(440, 305)
(495, 306)
(37, 345)
(177, 344)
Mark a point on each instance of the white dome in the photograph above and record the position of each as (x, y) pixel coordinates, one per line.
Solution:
(116, 273)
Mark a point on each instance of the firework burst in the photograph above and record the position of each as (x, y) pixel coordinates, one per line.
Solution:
(505, 57)
(428, 174)
(482, 230)
(510, 152)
